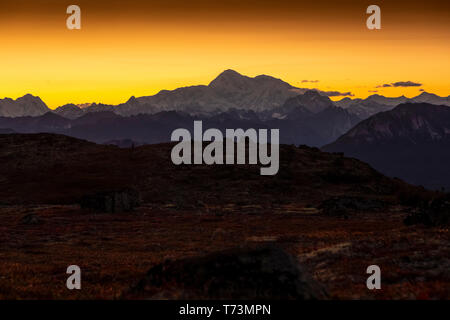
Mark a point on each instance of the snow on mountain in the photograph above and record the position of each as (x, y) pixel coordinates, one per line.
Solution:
(230, 90)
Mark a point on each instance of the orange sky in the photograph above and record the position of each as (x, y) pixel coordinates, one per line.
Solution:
(137, 48)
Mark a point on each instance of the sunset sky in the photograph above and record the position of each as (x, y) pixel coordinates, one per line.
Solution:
(138, 48)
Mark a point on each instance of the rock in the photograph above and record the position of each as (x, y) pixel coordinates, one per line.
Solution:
(111, 201)
(219, 235)
(266, 272)
(343, 205)
(31, 219)
(434, 213)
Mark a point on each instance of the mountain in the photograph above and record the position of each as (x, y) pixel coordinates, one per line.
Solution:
(69, 111)
(27, 105)
(318, 124)
(333, 122)
(431, 98)
(411, 142)
(364, 108)
(230, 90)
(73, 111)
(387, 101)
(311, 100)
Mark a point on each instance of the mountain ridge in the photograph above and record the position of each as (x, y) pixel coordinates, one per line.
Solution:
(28, 105)
(365, 108)
(297, 124)
(411, 142)
(229, 90)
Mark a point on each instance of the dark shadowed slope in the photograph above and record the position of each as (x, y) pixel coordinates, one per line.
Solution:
(411, 142)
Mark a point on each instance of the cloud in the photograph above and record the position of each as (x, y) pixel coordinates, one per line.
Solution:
(338, 94)
(422, 90)
(310, 81)
(400, 84)
(373, 90)
(406, 84)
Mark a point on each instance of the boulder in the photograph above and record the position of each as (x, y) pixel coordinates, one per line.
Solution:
(266, 272)
(434, 213)
(345, 204)
(30, 219)
(111, 201)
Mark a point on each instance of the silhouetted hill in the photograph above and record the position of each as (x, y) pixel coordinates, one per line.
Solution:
(49, 168)
(411, 142)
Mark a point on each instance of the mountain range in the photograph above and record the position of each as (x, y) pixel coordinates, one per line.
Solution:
(229, 90)
(364, 108)
(297, 124)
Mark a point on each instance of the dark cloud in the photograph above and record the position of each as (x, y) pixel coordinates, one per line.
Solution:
(373, 90)
(400, 84)
(338, 94)
(422, 90)
(406, 84)
(310, 81)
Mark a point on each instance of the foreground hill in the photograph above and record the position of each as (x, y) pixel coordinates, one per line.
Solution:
(48, 168)
(411, 142)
